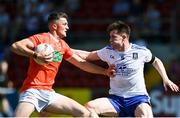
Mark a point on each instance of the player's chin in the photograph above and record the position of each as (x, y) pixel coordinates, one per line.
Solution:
(63, 35)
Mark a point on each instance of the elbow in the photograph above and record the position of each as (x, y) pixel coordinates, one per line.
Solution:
(157, 61)
(14, 47)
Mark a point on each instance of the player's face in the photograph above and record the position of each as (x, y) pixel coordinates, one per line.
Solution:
(62, 27)
(116, 39)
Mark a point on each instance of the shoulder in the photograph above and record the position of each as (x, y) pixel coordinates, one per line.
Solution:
(108, 47)
(63, 42)
(141, 50)
(41, 35)
(40, 38)
(138, 47)
(105, 49)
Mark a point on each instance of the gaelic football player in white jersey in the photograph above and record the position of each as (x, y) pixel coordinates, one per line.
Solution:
(127, 95)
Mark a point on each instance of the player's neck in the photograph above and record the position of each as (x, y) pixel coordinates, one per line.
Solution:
(54, 37)
(124, 47)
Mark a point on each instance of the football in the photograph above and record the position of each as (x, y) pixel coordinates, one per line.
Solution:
(43, 48)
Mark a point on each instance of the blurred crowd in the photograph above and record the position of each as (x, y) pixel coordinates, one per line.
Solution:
(21, 18)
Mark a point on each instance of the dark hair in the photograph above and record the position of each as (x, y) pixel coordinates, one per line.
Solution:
(120, 26)
(56, 15)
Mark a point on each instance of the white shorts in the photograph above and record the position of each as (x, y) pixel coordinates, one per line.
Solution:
(39, 98)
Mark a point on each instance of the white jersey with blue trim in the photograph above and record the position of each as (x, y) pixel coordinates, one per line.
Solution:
(129, 79)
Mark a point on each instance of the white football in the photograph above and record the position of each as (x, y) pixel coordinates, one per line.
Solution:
(43, 48)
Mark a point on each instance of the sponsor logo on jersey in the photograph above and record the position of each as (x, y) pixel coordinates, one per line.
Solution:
(123, 70)
(135, 56)
(57, 56)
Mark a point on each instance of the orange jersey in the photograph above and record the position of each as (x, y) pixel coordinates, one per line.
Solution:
(43, 76)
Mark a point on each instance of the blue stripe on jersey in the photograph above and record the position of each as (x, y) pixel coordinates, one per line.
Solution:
(134, 46)
(109, 47)
(126, 106)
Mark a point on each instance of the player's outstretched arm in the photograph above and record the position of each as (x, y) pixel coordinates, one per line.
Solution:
(86, 55)
(88, 67)
(81, 53)
(166, 81)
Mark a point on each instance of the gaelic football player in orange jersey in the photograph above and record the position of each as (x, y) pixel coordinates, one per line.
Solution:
(36, 91)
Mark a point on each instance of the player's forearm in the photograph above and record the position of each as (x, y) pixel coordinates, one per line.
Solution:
(86, 66)
(91, 68)
(160, 68)
(22, 50)
(81, 53)
(86, 55)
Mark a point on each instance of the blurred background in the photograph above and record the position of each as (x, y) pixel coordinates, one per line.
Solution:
(154, 24)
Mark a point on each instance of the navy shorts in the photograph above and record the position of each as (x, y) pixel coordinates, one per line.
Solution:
(126, 106)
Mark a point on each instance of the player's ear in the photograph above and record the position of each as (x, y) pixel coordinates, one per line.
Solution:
(124, 36)
(54, 26)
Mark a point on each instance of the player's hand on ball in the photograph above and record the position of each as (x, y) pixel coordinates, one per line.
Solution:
(44, 54)
(45, 57)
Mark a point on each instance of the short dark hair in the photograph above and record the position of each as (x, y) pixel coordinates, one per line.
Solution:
(56, 15)
(120, 26)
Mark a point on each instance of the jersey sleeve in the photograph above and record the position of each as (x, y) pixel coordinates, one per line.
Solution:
(148, 55)
(38, 39)
(35, 39)
(67, 50)
(102, 53)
